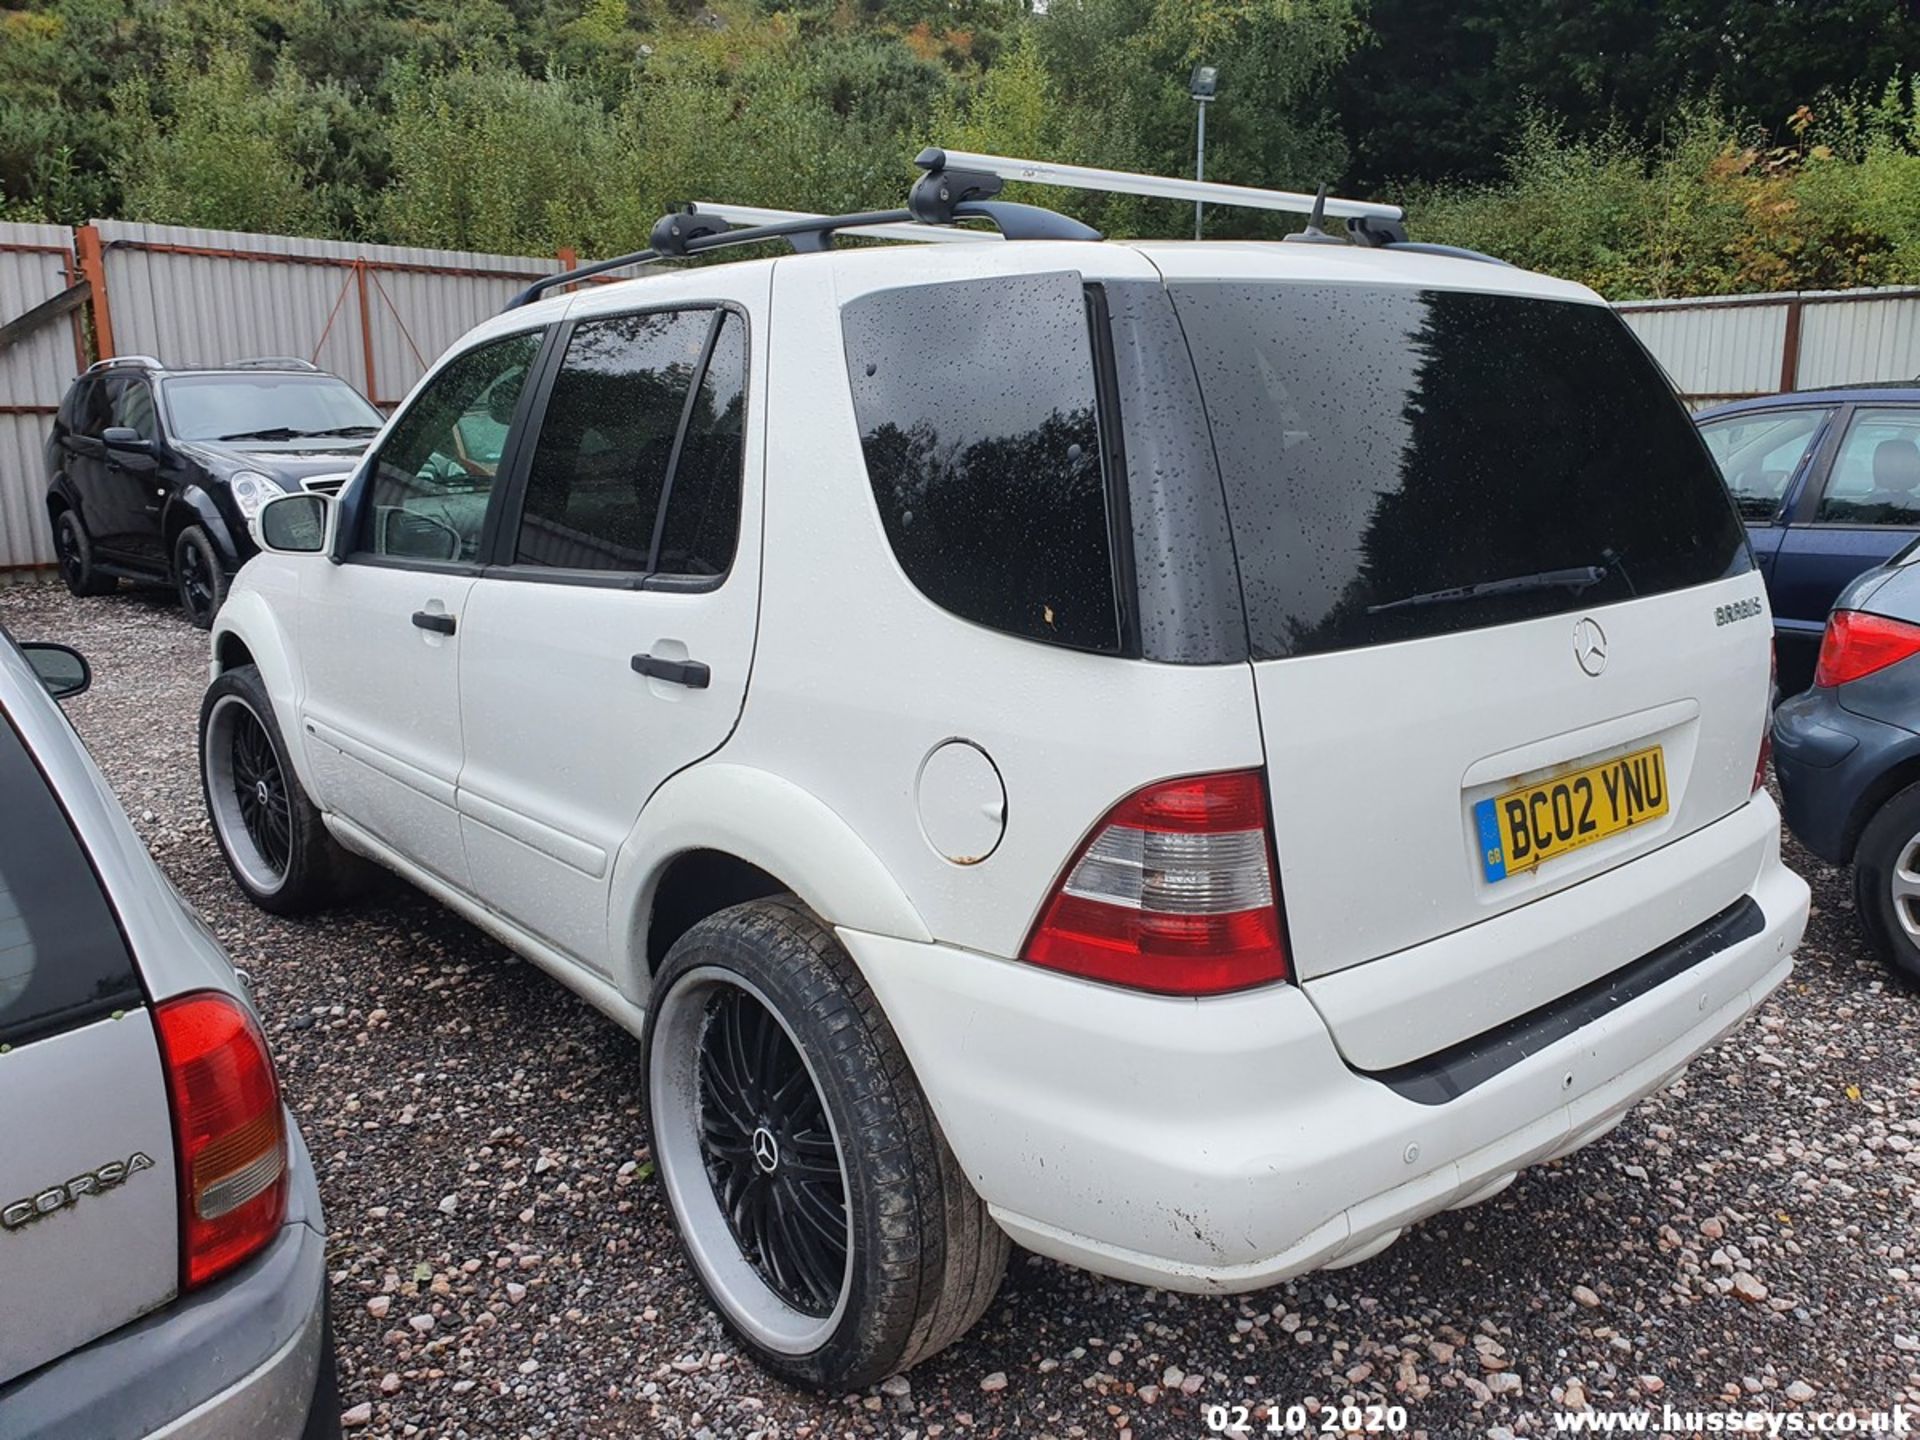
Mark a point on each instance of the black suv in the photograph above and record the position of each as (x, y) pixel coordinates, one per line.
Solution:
(154, 473)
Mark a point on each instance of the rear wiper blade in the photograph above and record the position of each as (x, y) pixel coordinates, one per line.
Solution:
(1579, 577)
(280, 432)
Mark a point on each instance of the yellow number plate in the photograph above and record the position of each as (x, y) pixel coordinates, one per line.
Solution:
(1520, 829)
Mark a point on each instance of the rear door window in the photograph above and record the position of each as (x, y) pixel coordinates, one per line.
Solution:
(606, 441)
(976, 406)
(1401, 463)
(1760, 454)
(63, 962)
(1875, 478)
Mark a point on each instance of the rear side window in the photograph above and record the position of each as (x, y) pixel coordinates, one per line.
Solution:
(1384, 449)
(1760, 454)
(702, 523)
(62, 960)
(975, 402)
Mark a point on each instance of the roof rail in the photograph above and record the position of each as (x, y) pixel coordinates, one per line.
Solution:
(915, 233)
(274, 362)
(690, 231)
(1157, 187)
(115, 362)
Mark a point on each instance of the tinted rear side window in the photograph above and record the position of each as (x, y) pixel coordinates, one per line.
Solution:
(976, 408)
(1383, 445)
(62, 960)
(702, 523)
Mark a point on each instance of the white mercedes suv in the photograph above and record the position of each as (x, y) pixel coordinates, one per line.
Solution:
(1189, 756)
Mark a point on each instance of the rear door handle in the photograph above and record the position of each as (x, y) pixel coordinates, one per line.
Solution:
(690, 673)
(428, 620)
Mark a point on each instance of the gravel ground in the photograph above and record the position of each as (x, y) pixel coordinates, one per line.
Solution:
(503, 1263)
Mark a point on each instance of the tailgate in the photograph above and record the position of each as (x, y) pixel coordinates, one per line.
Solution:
(1489, 571)
(88, 1216)
(1379, 760)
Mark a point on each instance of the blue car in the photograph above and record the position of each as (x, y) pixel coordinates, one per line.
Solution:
(1828, 482)
(1847, 754)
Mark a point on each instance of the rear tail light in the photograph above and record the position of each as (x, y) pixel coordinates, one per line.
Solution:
(230, 1139)
(1174, 893)
(1857, 644)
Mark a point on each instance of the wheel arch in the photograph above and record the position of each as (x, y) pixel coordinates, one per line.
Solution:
(194, 506)
(741, 831)
(246, 631)
(1896, 777)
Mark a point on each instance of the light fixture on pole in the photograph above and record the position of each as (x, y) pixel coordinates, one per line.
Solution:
(1203, 85)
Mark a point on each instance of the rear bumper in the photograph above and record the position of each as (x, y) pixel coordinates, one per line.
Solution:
(248, 1358)
(1225, 1144)
(1831, 762)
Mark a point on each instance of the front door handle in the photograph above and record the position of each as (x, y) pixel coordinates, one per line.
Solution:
(690, 673)
(428, 620)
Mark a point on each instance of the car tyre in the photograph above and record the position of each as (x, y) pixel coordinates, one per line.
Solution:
(198, 576)
(274, 841)
(1886, 882)
(75, 548)
(759, 1017)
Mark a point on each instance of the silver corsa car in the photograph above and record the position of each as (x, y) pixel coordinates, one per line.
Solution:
(162, 1253)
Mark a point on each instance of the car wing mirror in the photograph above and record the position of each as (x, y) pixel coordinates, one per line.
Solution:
(297, 524)
(126, 438)
(61, 668)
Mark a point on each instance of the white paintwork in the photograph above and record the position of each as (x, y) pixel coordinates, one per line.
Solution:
(564, 741)
(380, 717)
(1162, 187)
(1225, 1144)
(1497, 707)
(521, 773)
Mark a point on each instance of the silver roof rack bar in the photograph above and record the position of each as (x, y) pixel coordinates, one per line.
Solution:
(1162, 187)
(114, 362)
(924, 234)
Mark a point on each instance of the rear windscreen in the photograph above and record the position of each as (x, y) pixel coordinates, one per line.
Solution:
(1401, 463)
(62, 961)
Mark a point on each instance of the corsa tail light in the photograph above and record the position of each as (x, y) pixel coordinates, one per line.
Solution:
(230, 1139)
(1857, 644)
(1175, 893)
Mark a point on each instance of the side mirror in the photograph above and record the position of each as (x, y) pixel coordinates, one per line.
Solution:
(296, 524)
(125, 437)
(61, 668)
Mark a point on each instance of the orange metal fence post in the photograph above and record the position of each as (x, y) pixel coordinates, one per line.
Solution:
(366, 330)
(93, 266)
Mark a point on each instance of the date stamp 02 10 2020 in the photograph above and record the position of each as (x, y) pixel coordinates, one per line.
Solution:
(1272, 1419)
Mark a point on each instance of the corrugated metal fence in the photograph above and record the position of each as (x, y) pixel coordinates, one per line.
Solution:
(36, 267)
(1729, 347)
(376, 314)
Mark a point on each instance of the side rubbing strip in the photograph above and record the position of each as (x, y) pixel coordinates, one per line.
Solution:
(1448, 1074)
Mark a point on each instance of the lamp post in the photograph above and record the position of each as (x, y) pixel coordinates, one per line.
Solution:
(1203, 85)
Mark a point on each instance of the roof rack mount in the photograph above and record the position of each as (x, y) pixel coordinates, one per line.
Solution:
(689, 231)
(114, 362)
